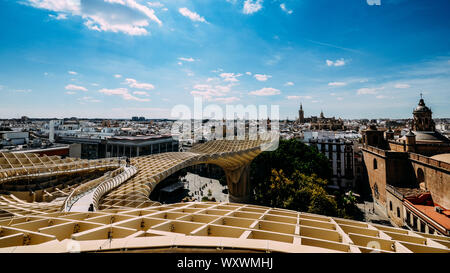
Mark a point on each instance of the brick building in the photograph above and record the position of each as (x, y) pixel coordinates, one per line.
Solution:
(410, 177)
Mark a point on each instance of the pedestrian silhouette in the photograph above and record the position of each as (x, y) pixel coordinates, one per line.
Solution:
(91, 207)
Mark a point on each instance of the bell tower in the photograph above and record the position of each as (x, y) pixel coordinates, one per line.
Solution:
(301, 115)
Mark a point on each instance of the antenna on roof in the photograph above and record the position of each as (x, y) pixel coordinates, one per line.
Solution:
(421, 96)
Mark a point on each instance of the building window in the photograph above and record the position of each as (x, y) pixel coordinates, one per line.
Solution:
(420, 176)
(430, 230)
(398, 212)
(375, 164)
(390, 205)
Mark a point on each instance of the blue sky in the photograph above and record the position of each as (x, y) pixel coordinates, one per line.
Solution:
(121, 58)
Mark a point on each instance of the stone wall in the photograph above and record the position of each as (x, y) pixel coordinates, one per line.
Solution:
(436, 177)
(402, 170)
(397, 207)
(377, 176)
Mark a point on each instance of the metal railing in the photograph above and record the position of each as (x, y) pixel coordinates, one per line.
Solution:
(88, 187)
(111, 184)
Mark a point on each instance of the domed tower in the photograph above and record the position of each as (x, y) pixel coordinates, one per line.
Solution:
(423, 120)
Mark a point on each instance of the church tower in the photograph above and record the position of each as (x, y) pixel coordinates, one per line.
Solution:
(423, 120)
(301, 115)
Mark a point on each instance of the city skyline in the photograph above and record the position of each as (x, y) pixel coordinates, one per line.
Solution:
(117, 59)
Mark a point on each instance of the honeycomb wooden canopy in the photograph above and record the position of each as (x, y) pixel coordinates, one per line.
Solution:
(206, 227)
(127, 220)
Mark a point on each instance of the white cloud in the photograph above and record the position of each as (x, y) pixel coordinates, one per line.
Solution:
(368, 91)
(117, 91)
(186, 59)
(251, 6)
(70, 93)
(191, 15)
(134, 84)
(248, 73)
(340, 62)
(262, 78)
(73, 87)
(117, 76)
(211, 79)
(337, 84)
(95, 84)
(380, 97)
(402, 85)
(57, 5)
(216, 93)
(141, 93)
(289, 84)
(123, 92)
(283, 7)
(155, 4)
(59, 16)
(340, 98)
(230, 77)
(266, 91)
(72, 72)
(125, 16)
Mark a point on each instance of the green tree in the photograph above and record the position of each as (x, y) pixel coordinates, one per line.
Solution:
(291, 155)
(297, 192)
(295, 177)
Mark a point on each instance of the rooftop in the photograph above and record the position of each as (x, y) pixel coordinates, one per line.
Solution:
(442, 157)
(430, 211)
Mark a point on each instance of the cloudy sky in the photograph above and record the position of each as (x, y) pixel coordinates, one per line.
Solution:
(120, 58)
